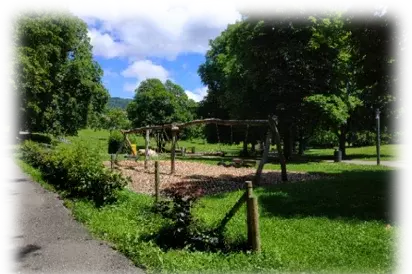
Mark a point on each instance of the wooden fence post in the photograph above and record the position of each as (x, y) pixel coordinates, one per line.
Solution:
(252, 204)
(249, 194)
(157, 181)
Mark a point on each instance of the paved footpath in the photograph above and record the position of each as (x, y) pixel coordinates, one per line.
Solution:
(397, 164)
(49, 240)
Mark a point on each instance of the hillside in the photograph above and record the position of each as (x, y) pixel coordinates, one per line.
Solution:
(117, 102)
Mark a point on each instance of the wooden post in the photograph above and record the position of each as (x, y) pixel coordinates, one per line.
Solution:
(264, 159)
(193, 150)
(173, 154)
(252, 205)
(249, 194)
(146, 154)
(157, 181)
(272, 124)
(183, 150)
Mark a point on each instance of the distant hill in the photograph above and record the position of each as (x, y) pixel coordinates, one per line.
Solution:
(117, 102)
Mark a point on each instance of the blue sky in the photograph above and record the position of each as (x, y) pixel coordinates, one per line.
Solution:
(136, 43)
(134, 40)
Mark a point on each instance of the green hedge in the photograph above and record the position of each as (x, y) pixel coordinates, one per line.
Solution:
(75, 169)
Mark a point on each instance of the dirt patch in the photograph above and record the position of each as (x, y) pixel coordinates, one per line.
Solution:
(198, 179)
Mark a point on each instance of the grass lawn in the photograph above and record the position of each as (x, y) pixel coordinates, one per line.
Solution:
(333, 225)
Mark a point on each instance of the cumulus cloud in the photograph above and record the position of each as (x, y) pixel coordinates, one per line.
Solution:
(153, 30)
(142, 70)
(197, 94)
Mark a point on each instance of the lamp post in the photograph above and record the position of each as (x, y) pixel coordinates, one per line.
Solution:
(378, 138)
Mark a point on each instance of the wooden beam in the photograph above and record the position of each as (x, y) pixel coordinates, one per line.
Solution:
(173, 154)
(146, 154)
(196, 122)
(273, 127)
(265, 155)
(129, 143)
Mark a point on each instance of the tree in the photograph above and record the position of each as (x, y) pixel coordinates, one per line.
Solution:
(156, 103)
(263, 67)
(116, 118)
(57, 80)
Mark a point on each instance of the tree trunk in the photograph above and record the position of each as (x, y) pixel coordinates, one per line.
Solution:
(287, 144)
(301, 146)
(253, 149)
(245, 152)
(342, 141)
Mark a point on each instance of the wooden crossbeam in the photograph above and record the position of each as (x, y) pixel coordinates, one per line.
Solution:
(196, 122)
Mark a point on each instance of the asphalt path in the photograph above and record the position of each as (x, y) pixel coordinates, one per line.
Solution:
(47, 239)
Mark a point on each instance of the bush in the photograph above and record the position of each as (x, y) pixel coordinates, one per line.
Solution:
(76, 170)
(185, 231)
(363, 138)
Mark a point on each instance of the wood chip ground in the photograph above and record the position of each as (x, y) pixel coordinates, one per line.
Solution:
(198, 179)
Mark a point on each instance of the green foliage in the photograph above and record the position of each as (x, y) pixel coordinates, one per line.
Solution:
(76, 170)
(116, 102)
(323, 138)
(304, 227)
(156, 103)
(184, 230)
(57, 80)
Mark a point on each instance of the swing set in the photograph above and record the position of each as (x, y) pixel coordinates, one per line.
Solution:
(176, 127)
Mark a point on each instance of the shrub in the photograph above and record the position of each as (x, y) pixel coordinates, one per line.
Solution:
(76, 170)
(363, 138)
(185, 231)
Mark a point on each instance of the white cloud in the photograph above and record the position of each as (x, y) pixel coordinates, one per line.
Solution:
(154, 30)
(110, 73)
(142, 70)
(197, 94)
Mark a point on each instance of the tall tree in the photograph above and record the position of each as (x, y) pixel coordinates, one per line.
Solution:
(263, 67)
(58, 81)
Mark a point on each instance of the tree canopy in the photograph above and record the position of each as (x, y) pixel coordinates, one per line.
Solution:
(312, 72)
(157, 103)
(58, 81)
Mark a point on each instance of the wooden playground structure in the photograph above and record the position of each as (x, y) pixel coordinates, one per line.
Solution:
(272, 132)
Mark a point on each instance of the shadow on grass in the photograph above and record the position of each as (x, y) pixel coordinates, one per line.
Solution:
(357, 194)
